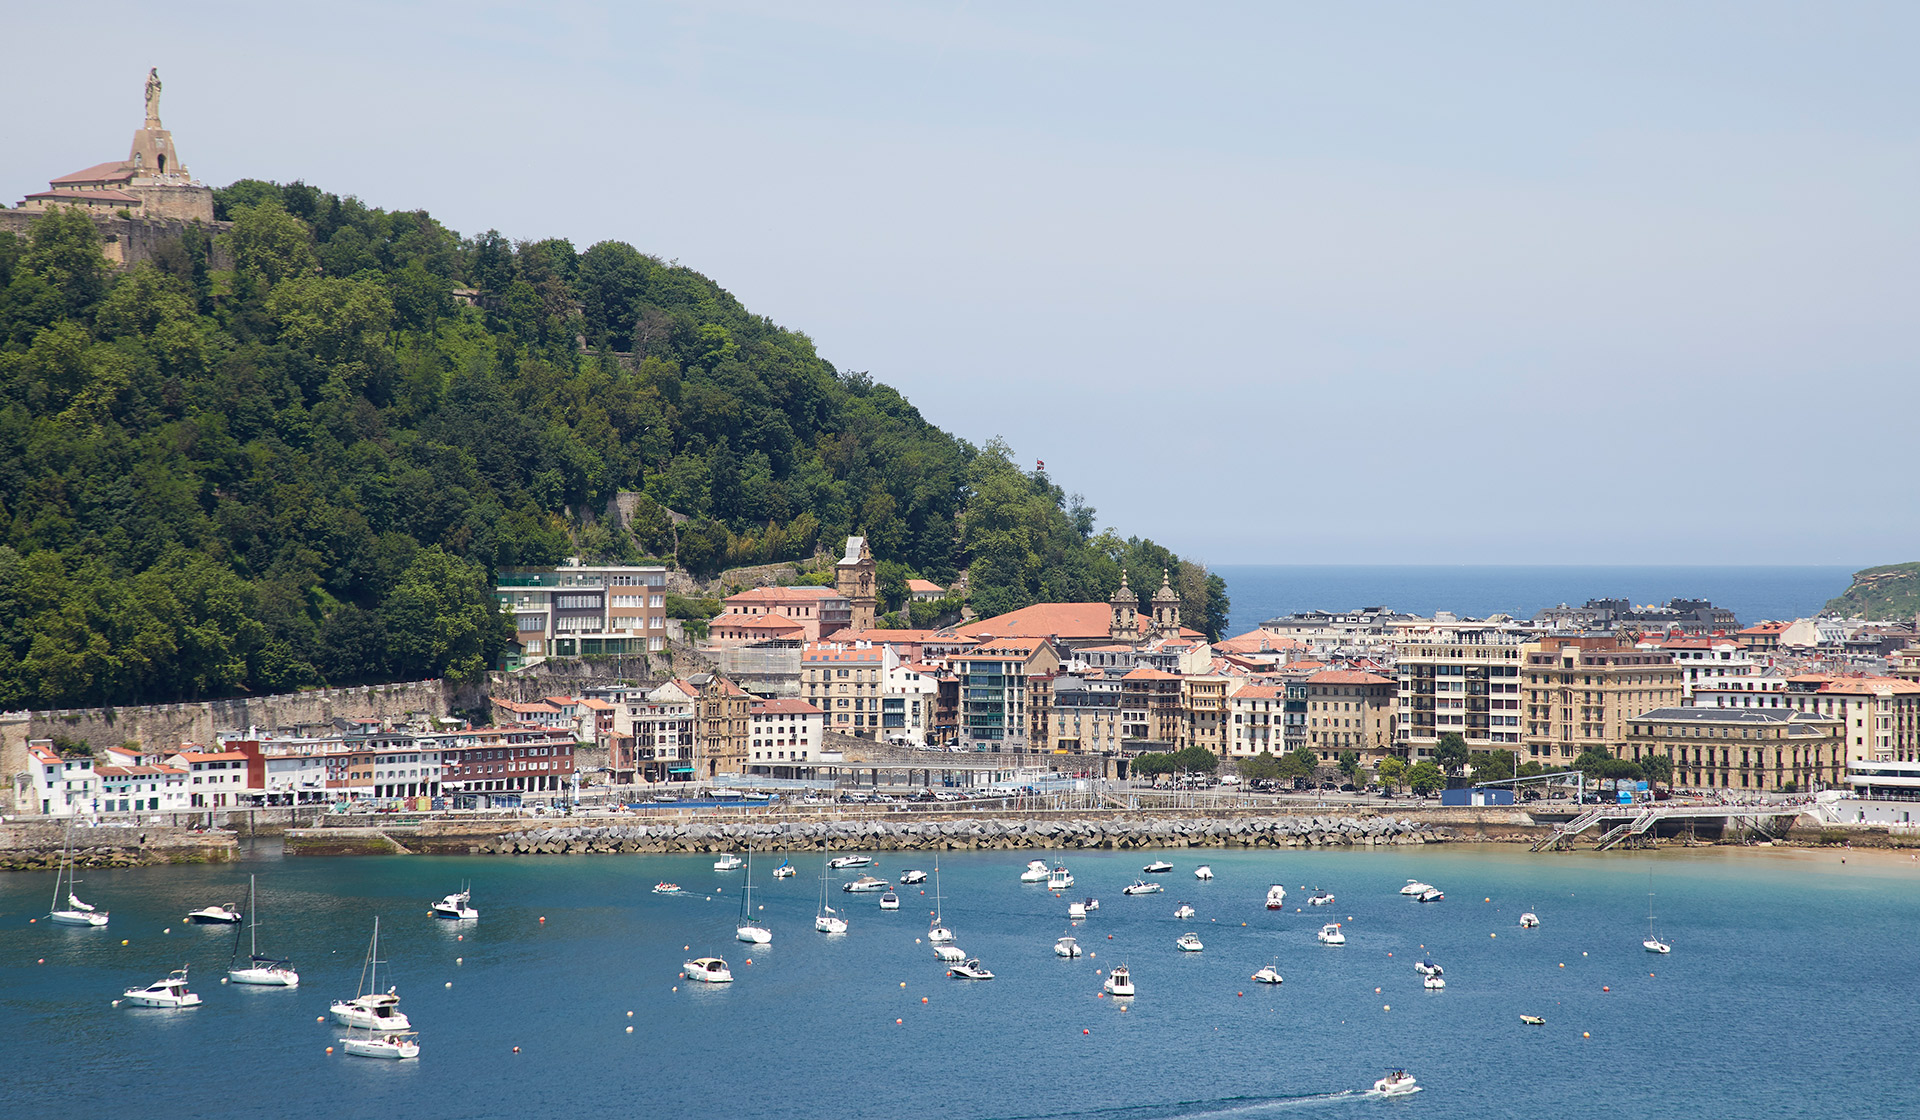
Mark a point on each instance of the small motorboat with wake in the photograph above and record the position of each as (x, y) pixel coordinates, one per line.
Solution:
(841, 862)
(1529, 920)
(221, 915)
(170, 993)
(664, 887)
(1158, 867)
(1396, 1084)
(1330, 934)
(889, 901)
(970, 969)
(912, 878)
(1184, 912)
(1320, 898)
(1119, 983)
(1141, 886)
(865, 884)
(1415, 888)
(1203, 872)
(1268, 975)
(1036, 871)
(728, 862)
(1066, 947)
(711, 970)
(1188, 943)
(1276, 897)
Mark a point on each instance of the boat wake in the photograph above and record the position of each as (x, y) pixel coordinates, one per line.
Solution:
(1209, 1110)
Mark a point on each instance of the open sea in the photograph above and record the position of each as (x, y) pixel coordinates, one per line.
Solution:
(1789, 992)
(1754, 593)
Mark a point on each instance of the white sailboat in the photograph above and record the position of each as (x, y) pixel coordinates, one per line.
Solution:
(1653, 944)
(938, 934)
(264, 971)
(750, 931)
(76, 913)
(827, 921)
(370, 1008)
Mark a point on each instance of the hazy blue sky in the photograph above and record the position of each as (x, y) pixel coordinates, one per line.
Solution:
(1268, 282)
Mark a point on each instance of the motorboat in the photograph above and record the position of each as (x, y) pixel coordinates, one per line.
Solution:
(1415, 887)
(370, 1008)
(170, 993)
(76, 913)
(1431, 894)
(1529, 920)
(1396, 1084)
(221, 915)
(1435, 982)
(1060, 880)
(1330, 934)
(1427, 967)
(397, 1045)
(750, 931)
(1276, 897)
(949, 952)
(1076, 911)
(840, 863)
(1119, 982)
(709, 970)
(970, 969)
(1141, 886)
(1203, 872)
(1188, 943)
(728, 862)
(784, 871)
(1157, 867)
(266, 972)
(865, 884)
(889, 901)
(756, 795)
(1091, 904)
(1533, 1020)
(1268, 975)
(1036, 872)
(1183, 912)
(664, 887)
(912, 878)
(1066, 947)
(1320, 898)
(456, 907)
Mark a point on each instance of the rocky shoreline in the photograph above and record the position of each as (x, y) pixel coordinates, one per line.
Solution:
(965, 835)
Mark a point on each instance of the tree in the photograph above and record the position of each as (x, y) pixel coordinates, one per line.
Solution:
(270, 245)
(1151, 763)
(1300, 763)
(1425, 777)
(1196, 760)
(1262, 767)
(1391, 771)
(1493, 765)
(1450, 753)
(442, 621)
(1350, 765)
(1658, 768)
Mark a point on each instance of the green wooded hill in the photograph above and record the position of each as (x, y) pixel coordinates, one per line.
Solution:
(1877, 594)
(304, 470)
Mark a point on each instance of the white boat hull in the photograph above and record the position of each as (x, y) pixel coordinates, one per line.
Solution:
(948, 953)
(465, 914)
(265, 977)
(380, 1048)
(347, 1015)
(940, 935)
(1267, 976)
(1657, 946)
(77, 918)
(830, 925)
(165, 1002)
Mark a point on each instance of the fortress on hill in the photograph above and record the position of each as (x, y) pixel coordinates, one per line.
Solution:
(137, 201)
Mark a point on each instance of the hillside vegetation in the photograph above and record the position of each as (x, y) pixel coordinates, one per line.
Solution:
(305, 470)
(1887, 592)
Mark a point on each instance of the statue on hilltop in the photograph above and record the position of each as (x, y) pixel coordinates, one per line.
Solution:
(153, 97)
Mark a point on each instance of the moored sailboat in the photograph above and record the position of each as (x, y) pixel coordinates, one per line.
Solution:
(264, 971)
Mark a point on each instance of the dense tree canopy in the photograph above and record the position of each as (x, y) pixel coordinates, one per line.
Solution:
(304, 469)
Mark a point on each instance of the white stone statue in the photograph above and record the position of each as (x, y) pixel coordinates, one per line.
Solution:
(153, 97)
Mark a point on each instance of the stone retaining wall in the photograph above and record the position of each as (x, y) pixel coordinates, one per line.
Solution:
(36, 846)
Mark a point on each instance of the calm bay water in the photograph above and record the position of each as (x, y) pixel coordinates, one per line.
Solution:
(1263, 591)
(1789, 992)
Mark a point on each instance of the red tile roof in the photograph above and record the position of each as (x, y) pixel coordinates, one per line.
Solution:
(784, 595)
(785, 706)
(117, 171)
(1346, 676)
(923, 585)
(1072, 621)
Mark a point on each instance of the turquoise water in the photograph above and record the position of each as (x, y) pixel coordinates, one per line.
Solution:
(1789, 993)
(1754, 593)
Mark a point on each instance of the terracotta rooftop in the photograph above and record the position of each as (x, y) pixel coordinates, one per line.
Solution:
(1072, 621)
(784, 595)
(117, 171)
(923, 586)
(785, 706)
(1346, 676)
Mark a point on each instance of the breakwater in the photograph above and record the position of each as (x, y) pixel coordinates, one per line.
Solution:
(36, 845)
(968, 835)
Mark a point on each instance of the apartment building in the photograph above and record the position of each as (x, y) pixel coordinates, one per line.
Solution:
(784, 738)
(1703, 662)
(585, 610)
(1085, 715)
(222, 779)
(653, 734)
(62, 785)
(818, 612)
(1150, 706)
(1471, 687)
(721, 711)
(483, 761)
(1879, 716)
(1257, 717)
(1351, 710)
(1740, 749)
(1203, 713)
(1000, 681)
(1580, 693)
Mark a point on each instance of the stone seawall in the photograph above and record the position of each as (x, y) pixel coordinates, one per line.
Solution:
(964, 835)
(36, 846)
